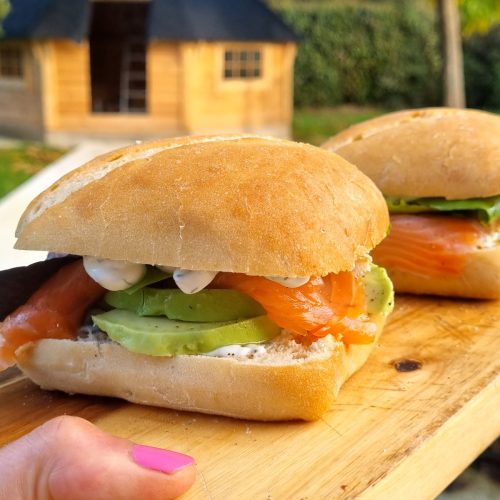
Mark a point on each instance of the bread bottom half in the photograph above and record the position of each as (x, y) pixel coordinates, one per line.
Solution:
(479, 279)
(290, 382)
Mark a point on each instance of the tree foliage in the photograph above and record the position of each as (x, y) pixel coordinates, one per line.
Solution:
(366, 52)
(4, 9)
(479, 15)
(482, 69)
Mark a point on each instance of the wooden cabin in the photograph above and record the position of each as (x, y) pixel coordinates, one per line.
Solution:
(71, 69)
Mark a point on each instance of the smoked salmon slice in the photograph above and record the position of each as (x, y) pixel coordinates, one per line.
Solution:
(429, 245)
(55, 310)
(333, 304)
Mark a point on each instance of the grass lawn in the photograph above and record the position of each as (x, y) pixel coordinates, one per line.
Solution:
(317, 125)
(20, 162)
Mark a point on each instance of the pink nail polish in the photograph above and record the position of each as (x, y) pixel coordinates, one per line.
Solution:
(159, 459)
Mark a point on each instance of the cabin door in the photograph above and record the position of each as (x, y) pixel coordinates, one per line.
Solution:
(118, 57)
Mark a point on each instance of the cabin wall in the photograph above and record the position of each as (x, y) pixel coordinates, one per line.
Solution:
(213, 103)
(20, 98)
(72, 81)
(186, 92)
(65, 83)
(68, 98)
(164, 83)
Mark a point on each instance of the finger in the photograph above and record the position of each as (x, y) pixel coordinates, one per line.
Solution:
(69, 457)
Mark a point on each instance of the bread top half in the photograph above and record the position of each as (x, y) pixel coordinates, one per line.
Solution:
(433, 152)
(246, 204)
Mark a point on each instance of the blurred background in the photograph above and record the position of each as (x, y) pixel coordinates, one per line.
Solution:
(73, 70)
(80, 77)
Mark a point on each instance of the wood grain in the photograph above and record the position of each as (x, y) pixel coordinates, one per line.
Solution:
(20, 102)
(186, 91)
(390, 435)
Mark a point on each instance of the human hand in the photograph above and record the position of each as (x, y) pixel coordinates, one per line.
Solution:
(69, 458)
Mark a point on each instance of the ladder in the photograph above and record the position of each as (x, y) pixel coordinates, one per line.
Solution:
(133, 76)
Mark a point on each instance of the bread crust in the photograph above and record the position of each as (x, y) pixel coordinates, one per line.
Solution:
(236, 203)
(480, 278)
(302, 388)
(432, 152)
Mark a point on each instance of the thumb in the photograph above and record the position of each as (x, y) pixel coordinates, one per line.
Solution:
(69, 457)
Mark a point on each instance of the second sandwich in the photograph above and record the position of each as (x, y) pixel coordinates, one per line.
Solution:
(439, 170)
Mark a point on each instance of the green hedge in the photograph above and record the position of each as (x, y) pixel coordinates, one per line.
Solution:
(365, 53)
(482, 70)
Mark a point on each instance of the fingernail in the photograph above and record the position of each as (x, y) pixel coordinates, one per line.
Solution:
(159, 459)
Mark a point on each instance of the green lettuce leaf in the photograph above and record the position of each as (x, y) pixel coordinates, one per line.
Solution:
(153, 275)
(486, 209)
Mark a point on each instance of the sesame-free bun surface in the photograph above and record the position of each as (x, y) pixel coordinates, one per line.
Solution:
(234, 203)
(433, 152)
(291, 382)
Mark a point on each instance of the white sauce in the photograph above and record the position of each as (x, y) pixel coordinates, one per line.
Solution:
(490, 240)
(193, 281)
(236, 351)
(114, 274)
(289, 282)
(119, 275)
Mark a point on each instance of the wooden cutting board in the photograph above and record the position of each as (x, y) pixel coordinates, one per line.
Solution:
(392, 433)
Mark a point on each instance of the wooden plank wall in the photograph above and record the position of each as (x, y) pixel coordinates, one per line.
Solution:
(164, 83)
(72, 69)
(210, 102)
(20, 100)
(68, 90)
(186, 92)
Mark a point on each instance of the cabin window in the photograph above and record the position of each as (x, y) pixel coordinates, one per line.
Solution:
(11, 62)
(242, 64)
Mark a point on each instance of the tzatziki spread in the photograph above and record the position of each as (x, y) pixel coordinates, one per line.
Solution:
(236, 351)
(117, 275)
(114, 275)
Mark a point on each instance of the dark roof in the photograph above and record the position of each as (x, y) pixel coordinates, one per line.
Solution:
(47, 19)
(168, 20)
(216, 20)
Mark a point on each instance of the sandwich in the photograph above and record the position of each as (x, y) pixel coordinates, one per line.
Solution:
(227, 275)
(439, 170)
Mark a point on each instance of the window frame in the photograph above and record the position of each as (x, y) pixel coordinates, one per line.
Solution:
(20, 62)
(252, 62)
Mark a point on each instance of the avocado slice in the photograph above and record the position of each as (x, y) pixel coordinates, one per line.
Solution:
(379, 291)
(204, 306)
(163, 337)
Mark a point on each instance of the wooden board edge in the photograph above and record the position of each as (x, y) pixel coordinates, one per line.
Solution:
(427, 470)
